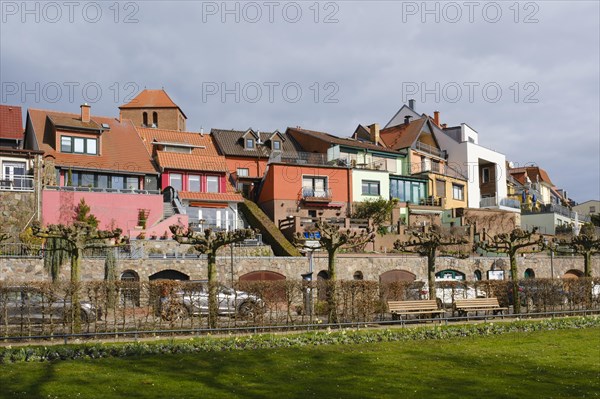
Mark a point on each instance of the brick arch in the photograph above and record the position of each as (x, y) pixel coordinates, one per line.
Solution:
(573, 273)
(396, 275)
(262, 275)
(169, 274)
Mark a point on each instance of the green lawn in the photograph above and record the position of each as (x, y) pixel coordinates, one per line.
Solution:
(548, 364)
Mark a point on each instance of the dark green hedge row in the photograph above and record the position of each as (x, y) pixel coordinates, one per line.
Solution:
(271, 341)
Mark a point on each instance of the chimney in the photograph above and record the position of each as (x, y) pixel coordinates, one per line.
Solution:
(374, 133)
(407, 119)
(411, 104)
(436, 118)
(85, 112)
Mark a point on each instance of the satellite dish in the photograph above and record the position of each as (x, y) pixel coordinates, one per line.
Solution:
(511, 164)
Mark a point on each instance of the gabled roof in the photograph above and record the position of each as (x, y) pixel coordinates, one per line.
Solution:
(303, 134)
(361, 133)
(203, 157)
(151, 99)
(404, 135)
(404, 110)
(230, 143)
(534, 173)
(74, 122)
(121, 149)
(11, 122)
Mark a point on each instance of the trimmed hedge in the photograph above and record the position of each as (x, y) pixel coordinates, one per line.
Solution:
(273, 236)
(268, 341)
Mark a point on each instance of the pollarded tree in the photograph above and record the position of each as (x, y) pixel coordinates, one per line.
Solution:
(427, 243)
(74, 239)
(208, 242)
(511, 244)
(332, 238)
(587, 243)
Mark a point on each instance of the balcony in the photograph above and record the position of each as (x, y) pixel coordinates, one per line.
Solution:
(101, 190)
(316, 195)
(300, 158)
(429, 150)
(435, 167)
(527, 209)
(492, 202)
(16, 183)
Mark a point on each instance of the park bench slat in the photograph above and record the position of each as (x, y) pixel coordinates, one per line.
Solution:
(398, 308)
(478, 304)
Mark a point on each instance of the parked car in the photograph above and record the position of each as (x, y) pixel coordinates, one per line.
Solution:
(193, 301)
(31, 305)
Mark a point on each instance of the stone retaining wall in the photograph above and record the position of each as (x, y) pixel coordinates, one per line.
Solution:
(371, 266)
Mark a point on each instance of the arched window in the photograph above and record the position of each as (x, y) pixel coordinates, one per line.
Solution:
(155, 119)
(358, 275)
(130, 290)
(529, 273)
(477, 275)
(145, 119)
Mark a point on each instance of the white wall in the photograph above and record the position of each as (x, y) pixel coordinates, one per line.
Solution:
(465, 157)
(382, 177)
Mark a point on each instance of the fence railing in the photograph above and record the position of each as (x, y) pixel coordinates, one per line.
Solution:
(16, 183)
(42, 309)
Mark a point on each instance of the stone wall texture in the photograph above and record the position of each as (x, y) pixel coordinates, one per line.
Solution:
(371, 266)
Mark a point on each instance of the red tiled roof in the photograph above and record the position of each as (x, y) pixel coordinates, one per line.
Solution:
(212, 197)
(299, 133)
(11, 122)
(402, 136)
(204, 156)
(174, 160)
(151, 99)
(150, 135)
(122, 150)
(533, 172)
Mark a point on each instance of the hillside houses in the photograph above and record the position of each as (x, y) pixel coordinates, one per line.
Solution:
(144, 164)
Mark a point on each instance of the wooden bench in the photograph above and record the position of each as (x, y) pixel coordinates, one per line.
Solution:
(399, 308)
(464, 306)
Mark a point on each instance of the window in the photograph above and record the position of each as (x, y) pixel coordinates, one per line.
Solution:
(249, 143)
(243, 172)
(155, 119)
(78, 145)
(175, 181)
(408, 191)
(314, 186)
(485, 175)
(132, 183)
(458, 192)
(370, 187)
(440, 188)
(117, 182)
(212, 184)
(13, 174)
(277, 145)
(194, 183)
(592, 209)
(145, 119)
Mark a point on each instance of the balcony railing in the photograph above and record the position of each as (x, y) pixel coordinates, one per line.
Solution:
(101, 190)
(429, 149)
(553, 208)
(300, 158)
(311, 194)
(434, 167)
(16, 183)
(490, 202)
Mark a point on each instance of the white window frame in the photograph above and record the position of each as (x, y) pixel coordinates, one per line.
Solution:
(458, 188)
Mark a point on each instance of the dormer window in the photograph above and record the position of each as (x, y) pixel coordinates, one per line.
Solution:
(78, 145)
(277, 145)
(249, 144)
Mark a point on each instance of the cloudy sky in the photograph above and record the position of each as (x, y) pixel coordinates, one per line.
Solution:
(525, 75)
